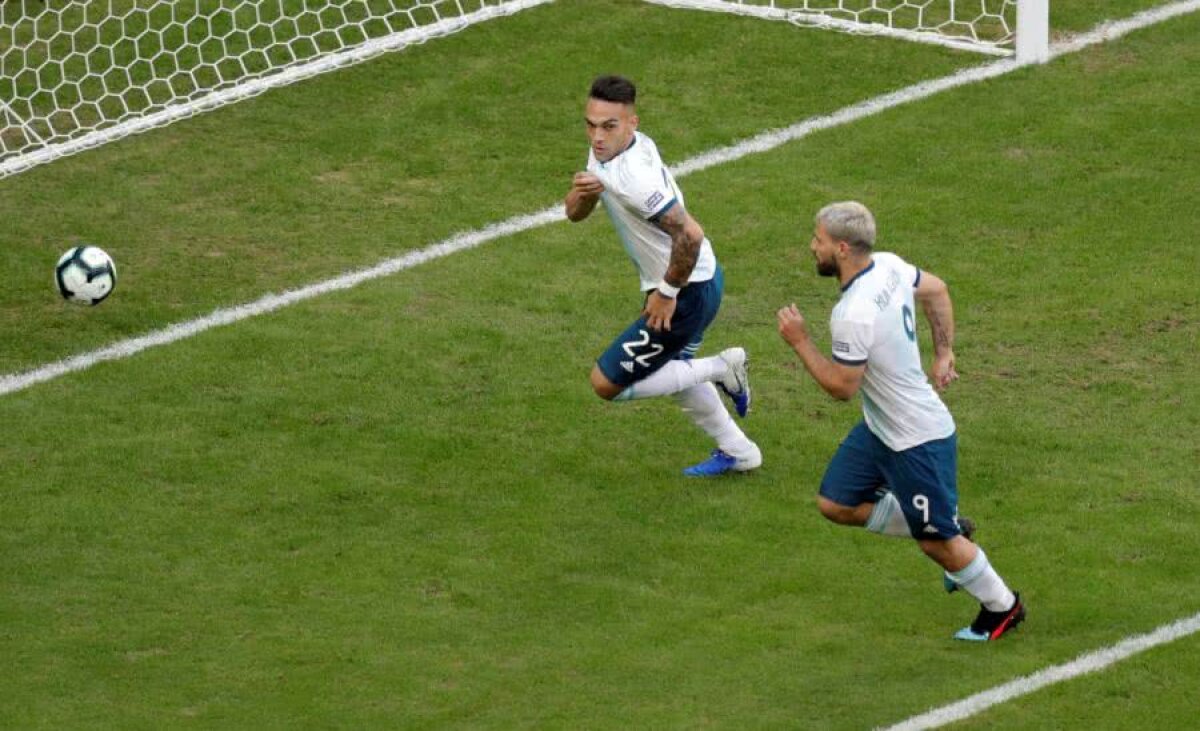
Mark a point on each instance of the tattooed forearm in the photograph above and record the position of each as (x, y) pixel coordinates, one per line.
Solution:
(941, 320)
(934, 296)
(940, 335)
(686, 237)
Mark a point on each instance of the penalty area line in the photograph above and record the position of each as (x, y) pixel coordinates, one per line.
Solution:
(769, 140)
(1082, 665)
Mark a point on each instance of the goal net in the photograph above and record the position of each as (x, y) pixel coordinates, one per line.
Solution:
(987, 26)
(76, 74)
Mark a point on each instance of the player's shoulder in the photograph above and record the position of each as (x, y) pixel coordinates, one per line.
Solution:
(895, 269)
(638, 167)
(642, 157)
(888, 260)
(644, 145)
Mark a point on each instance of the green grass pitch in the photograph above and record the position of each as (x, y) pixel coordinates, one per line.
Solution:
(401, 506)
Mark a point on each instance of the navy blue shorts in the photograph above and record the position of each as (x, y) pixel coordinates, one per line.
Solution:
(639, 351)
(924, 480)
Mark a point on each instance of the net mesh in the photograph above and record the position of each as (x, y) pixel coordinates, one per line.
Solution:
(71, 68)
(75, 74)
(983, 22)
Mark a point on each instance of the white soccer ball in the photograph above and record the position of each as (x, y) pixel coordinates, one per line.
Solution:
(85, 275)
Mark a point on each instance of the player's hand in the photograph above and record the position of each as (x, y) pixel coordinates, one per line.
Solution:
(658, 311)
(791, 325)
(943, 371)
(587, 185)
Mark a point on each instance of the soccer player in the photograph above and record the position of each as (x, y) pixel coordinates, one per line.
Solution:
(680, 279)
(896, 472)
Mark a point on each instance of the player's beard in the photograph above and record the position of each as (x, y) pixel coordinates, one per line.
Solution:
(828, 268)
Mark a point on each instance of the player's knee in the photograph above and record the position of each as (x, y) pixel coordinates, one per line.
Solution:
(948, 553)
(952, 554)
(840, 514)
(935, 549)
(603, 387)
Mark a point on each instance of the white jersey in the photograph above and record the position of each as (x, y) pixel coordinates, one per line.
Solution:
(875, 324)
(638, 189)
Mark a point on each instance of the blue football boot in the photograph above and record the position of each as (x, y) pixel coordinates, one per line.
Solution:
(720, 462)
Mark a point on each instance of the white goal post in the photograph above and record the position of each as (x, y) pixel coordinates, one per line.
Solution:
(1033, 31)
(75, 74)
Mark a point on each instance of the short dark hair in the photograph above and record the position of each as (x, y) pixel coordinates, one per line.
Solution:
(614, 89)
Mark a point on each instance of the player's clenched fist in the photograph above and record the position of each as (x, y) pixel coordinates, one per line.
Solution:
(791, 325)
(587, 184)
(582, 197)
(943, 371)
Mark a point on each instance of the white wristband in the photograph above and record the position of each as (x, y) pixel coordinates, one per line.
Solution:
(667, 290)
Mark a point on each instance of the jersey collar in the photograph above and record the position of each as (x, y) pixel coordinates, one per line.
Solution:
(856, 277)
(632, 142)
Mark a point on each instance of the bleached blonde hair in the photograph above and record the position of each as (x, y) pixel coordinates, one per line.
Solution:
(849, 221)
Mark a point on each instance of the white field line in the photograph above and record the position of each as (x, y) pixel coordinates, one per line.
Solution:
(272, 302)
(1112, 29)
(761, 143)
(1089, 663)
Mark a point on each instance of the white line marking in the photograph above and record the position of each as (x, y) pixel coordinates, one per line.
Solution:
(761, 143)
(1089, 663)
(1113, 29)
(272, 302)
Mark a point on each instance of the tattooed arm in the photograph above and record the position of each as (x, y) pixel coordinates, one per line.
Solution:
(934, 296)
(686, 238)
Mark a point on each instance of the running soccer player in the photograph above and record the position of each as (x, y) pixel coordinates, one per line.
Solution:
(680, 279)
(896, 472)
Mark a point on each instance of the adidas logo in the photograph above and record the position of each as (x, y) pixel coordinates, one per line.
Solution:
(627, 365)
(930, 529)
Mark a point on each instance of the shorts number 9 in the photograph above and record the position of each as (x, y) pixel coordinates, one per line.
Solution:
(920, 502)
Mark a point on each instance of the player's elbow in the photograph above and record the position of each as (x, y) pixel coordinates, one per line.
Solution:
(842, 393)
(843, 390)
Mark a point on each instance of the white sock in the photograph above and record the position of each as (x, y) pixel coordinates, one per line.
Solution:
(704, 406)
(981, 581)
(888, 519)
(674, 377)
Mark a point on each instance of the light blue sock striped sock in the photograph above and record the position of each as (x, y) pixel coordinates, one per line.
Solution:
(981, 581)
